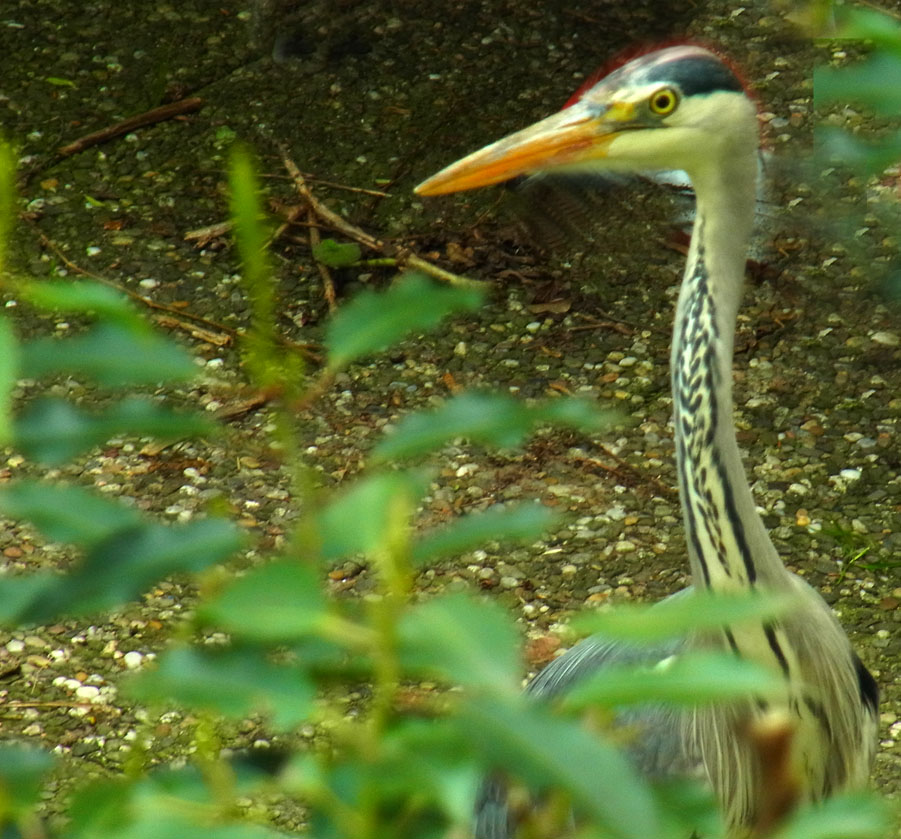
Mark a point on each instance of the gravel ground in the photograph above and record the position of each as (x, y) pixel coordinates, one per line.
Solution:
(378, 95)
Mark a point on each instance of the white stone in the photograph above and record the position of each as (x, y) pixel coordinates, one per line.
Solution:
(88, 693)
(887, 339)
(133, 659)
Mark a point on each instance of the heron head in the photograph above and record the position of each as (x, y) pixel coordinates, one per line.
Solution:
(677, 108)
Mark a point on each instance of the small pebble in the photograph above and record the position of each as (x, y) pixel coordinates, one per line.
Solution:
(887, 339)
(87, 693)
(133, 659)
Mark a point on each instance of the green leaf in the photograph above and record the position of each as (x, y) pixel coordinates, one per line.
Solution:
(59, 82)
(433, 756)
(250, 234)
(859, 23)
(66, 513)
(162, 805)
(874, 82)
(81, 297)
(118, 570)
(267, 365)
(502, 523)
(573, 412)
(362, 520)
(686, 612)
(373, 321)
(683, 679)
(421, 777)
(336, 254)
(462, 641)
(225, 134)
(353, 785)
(106, 807)
(549, 752)
(22, 771)
(280, 602)
(128, 563)
(343, 658)
(487, 418)
(234, 682)
(869, 157)
(688, 807)
(52, 431)
(861, 815)
(9, 374)
(20, 595)
(112, 355)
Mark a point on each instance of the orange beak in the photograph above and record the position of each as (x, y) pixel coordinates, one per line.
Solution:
(574, 136)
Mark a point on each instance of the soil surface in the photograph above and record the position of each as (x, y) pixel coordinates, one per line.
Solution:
(376, 95)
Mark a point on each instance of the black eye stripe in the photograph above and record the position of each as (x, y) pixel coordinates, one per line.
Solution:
(697, 74)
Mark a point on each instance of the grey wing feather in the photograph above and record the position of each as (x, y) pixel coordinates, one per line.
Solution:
(658, 749)
(492, 815)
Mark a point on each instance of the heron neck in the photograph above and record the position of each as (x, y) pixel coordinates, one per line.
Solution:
(728, 545)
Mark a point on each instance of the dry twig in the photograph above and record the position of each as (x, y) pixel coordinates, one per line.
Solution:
(331, 218)
(204, 235)
(328, 284)
(403, 259)
(627, 473)
(151, 117)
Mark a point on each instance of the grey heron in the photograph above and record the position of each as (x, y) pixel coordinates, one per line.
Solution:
(683, 107)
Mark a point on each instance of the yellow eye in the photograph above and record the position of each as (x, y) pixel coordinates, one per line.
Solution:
(663, 101)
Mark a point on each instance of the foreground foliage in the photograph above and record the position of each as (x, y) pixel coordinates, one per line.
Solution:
(389, 772)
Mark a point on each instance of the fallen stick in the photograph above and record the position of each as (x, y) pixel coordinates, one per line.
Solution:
(328, 216)
(332, 219)
(328, 284)
(151, 117)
